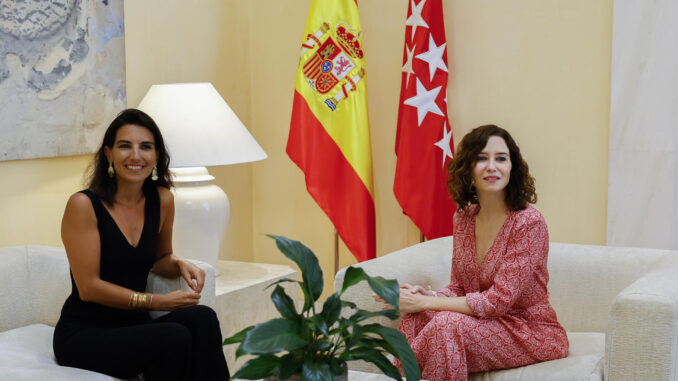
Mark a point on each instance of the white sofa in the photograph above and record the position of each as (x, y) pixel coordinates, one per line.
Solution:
(618, 305)
(34, 283)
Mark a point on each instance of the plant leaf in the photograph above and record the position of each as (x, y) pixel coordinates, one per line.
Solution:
(378, 359)
(239, 352)
(238, 337)
(361, 315)
(399, 348)
(355, 337)
(311, 273)
(283, 280)
(260, 367)
(313, 371)
(353, 275)
(273, 336)
(290, 364)
(284, 304)
(331, 309)
(387, 289)
(345, 303)
(319, 323)
(371, 342)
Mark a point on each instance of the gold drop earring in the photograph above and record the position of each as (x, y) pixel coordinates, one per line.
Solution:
(154, 174)
(111, 171)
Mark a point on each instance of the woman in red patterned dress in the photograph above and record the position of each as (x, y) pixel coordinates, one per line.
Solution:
(495, 312)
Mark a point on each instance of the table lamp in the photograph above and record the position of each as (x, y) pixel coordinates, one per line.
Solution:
(199, 130)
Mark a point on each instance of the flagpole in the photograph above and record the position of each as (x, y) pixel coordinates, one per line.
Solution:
(336, 252)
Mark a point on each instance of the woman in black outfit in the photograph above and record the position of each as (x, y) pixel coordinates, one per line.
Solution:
(115, 232)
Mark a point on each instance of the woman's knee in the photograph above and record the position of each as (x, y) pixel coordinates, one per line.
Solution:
(449, 322)
(203, 312)
(176, 335)
(196, 313)
(202, 316)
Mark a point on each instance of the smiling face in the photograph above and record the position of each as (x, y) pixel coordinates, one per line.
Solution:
(492, 169)
(133, 153)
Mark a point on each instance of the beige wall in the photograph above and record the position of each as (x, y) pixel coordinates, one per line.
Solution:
(540, 68)
(33, 196)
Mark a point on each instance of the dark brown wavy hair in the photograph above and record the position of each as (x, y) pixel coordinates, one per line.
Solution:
(105, 187)
(520, 189)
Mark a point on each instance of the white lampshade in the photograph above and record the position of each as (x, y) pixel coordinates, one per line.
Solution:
(199, 128)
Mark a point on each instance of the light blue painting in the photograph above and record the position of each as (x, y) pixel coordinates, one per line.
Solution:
(62, 75)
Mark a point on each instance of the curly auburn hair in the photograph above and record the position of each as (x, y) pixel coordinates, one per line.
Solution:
(99, 181)
(520, 189)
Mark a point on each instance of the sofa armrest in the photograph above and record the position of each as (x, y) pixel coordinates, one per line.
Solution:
(161, 285)
(641, 342)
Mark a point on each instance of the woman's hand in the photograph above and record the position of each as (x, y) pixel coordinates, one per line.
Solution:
(192, 274)
(416, 289)
(411, 301)
(411, 298)
(174, 300)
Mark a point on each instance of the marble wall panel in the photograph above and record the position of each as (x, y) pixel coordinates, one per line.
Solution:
(643, 166)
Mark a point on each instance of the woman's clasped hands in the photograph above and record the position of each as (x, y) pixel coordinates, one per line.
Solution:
(412, 298)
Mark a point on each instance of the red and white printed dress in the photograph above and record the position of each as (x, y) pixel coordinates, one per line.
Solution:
(514, 324)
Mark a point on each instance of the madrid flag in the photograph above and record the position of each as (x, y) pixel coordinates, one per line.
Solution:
(424, 143)
(329, 136)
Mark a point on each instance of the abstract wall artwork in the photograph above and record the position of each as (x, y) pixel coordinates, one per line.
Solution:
(62, 75)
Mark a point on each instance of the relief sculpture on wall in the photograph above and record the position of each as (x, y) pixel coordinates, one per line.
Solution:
(62, 75)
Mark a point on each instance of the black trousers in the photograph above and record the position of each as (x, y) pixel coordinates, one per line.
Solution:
(184, 345)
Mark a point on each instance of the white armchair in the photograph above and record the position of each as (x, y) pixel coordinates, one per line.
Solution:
(35, 283)
(618, 305)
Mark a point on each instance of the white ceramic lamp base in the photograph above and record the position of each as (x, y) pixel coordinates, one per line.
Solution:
(201, 215)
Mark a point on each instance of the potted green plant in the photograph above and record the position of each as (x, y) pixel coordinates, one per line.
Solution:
(315, 345)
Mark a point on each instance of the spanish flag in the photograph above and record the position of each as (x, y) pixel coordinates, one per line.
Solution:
(329, 134)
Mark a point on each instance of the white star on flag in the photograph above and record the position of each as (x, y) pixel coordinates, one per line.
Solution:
(444, 143)
(424, 101)
(434, 57)
(416, 20)
(407, 68)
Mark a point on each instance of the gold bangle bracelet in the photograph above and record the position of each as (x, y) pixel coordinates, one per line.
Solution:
(140, 300)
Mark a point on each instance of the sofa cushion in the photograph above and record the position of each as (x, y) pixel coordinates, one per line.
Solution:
(26, 355)
(584, 362)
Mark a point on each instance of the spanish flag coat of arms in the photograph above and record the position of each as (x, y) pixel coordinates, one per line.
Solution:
(329, 134)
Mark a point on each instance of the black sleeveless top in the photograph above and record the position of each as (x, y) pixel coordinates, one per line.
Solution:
(121, 264)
